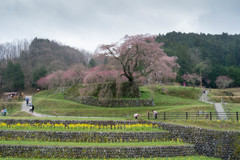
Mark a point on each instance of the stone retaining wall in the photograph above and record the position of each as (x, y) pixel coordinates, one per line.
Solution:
(220, 144)
(105, 102)
(213, 143)
(95, 152)
(83, 136)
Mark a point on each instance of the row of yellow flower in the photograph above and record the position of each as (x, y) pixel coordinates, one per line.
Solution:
(79, 126)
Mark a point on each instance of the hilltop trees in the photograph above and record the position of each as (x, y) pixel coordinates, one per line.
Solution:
(50, 56)
(13, 77)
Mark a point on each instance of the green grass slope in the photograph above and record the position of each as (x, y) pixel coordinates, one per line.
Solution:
(166, 99)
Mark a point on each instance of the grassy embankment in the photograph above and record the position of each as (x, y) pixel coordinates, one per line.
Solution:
(230, 96)
(13, 107)
(172, 99)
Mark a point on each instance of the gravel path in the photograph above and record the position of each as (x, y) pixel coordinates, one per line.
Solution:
(222, 115)
(26, 108)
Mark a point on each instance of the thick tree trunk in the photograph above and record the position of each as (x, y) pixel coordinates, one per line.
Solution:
(130, 90)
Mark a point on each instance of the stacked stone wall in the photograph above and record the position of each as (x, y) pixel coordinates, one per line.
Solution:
(108, 102)
(212, 143)
(95, 152)
(83, 136)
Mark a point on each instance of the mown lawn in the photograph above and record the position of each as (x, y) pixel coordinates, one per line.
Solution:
(233, 107)
(215, 124)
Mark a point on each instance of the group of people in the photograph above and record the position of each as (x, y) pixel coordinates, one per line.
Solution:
(29, 103)
(4, 112)
(136, 115)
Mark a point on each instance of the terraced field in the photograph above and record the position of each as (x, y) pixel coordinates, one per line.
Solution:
(28, 139)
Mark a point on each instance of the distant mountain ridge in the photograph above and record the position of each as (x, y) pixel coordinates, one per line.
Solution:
(43, 52)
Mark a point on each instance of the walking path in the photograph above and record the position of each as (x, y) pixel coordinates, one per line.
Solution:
(222, 115)
(26, 108)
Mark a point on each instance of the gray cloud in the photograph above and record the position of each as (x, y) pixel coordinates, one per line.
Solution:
(87, 23)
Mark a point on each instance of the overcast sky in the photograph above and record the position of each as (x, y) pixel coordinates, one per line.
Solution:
(87, 23)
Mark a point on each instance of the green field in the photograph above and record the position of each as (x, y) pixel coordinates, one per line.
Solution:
(215, 124)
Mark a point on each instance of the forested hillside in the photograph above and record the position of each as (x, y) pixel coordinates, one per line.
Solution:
(42, 58)
(207, 55)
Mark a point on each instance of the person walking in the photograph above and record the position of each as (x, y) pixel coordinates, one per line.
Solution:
(27, 100)
(32, 108)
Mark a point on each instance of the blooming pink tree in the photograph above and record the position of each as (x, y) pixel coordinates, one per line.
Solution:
(60, 78)
(45, 82)
(101, 74)
(191, 78)
(223, 81)
(140, 56)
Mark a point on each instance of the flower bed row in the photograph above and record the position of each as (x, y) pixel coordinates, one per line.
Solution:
(80, 127)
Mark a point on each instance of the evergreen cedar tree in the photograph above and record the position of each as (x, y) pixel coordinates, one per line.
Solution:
(13, 77)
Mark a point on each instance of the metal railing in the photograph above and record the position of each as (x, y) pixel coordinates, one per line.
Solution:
(193, 115)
